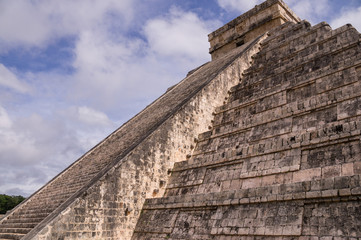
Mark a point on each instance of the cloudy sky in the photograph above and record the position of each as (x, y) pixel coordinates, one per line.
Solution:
(71, 72)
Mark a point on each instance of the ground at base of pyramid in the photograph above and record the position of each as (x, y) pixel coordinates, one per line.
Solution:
(262, 142)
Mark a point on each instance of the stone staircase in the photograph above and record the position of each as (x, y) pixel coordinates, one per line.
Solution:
(101, 194)
(45, 201)
(282, 159)
(111, 181)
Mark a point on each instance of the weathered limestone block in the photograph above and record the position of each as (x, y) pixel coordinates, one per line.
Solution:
(249, 25)
(338, 219)
(260, 219)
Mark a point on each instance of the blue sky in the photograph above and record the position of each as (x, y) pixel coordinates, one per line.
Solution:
(71, 72)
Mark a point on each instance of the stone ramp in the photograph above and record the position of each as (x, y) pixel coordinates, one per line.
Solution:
(283, 157)
(76, 184)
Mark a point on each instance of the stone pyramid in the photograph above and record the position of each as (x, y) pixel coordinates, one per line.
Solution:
(263, 142)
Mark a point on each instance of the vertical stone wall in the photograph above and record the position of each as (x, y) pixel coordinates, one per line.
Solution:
(283, 157)
(109, 209)
(248, 26)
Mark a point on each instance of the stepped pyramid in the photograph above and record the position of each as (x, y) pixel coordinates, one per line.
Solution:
(280, 158)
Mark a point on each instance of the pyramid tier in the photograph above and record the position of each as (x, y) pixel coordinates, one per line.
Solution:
(282, 159)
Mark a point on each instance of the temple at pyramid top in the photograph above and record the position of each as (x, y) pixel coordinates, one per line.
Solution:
(250, 25)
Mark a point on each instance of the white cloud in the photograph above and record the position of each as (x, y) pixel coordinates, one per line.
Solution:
(5, 121)
(17, 148)
(22, 23)
(179, 34)
(310, 10)
(104, 66)
(33, 148)
(238, 5)
(92, 117)
(352, 16)
(114, 75)
(9, 80)
(111, 68)
(36, 23)
(89, 117)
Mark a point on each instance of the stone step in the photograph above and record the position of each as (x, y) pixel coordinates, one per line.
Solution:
(48, 202)
(211, 154)
(304, 187)
(34, 210)
(330, 80)
(15, 230)
(257, 115)
(321, 135)
(59, 195)
(59, 187)
(314, 85)
(285, 31)
(24, 220)
(29, 215)
(293, 74)
(235, 176)
(18, 225)
(281, 35)
(15, 236)
(275, 138)
(328, 46)
(300, 38)
(304, 46)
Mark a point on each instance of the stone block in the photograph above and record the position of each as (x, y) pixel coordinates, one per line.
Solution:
(301, 195)
(344, 192)
(327, 183)
(331, 171)
(313, 194)
(356, 191)
(251, 183)
(307, 175)
(329, 193)
(244, 201)
(268, 180)
(347, 169)
(235, 184)
(342, 182)
(357, 168)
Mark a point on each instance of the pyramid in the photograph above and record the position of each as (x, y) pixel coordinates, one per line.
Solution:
(263, 142)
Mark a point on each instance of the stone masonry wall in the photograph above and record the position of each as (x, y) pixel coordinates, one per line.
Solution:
(110, 208)
(248, 26)
(283, 157)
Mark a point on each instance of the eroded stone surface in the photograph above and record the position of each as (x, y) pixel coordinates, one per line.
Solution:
(261, 143)
(248, 26)
(282, 159)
